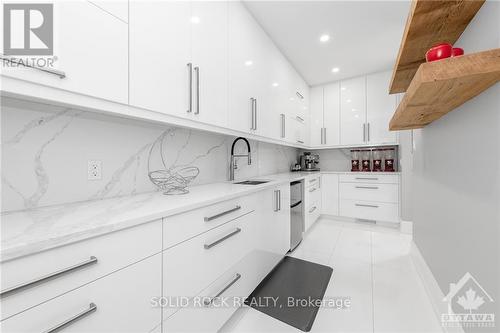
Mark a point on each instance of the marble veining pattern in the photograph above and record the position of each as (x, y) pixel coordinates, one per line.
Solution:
(45, 150)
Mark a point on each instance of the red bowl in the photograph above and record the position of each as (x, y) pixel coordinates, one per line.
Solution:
(457, 51)
(438, 52)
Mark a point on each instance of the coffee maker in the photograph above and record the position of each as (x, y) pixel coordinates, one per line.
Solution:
(309, 161)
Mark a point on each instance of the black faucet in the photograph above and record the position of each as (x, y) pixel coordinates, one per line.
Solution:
(233, 165)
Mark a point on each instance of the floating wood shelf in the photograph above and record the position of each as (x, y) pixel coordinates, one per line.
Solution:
(439, 87)
(429, 23)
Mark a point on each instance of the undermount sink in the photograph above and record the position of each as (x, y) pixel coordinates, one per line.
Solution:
(253, 182)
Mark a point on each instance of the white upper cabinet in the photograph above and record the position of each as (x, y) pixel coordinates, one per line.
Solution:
(353, 111)
(160, 51)
(91, 49)
(316, 116)
(331, 110)
(380, 108)
(325, 115)
(178, 58)
(209, 45)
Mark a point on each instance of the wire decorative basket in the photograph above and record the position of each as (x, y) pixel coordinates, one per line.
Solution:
(173, 180)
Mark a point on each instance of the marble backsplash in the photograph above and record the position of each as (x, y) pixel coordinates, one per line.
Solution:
(45, 151)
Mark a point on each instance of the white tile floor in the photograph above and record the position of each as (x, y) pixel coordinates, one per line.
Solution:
(370, 265)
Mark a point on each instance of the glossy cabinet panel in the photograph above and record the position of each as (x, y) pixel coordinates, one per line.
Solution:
(332, 114)
(353, 111)
(160, 50)
(91, 47)
(380, 108)
(316, 116)
(330, 194)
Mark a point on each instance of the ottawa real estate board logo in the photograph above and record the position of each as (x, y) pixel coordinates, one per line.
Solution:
(469, 305)
(28, 34)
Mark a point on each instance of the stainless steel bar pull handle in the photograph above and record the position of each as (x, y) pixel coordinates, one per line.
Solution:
(92, 308)
(209, 301)
(364, 132)
(299, 118)
(324, 135)
(252, 113)
(216, 216)
(299, 95)
(197, 72)
(256, 110)
(312, 190)
(283, 133)
(368, 187)
(366, 178)
(18, 62)
(190, 87)
(276, 208)
(220, 240)
(368, 130)
(300, 141)
(312, 209)
(279, 199)
(92, 260)
(363, 205)
(321, 135)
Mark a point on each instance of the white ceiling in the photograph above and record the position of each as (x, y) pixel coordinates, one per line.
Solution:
(365, 35)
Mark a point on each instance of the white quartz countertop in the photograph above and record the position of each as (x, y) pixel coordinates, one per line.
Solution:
(29, 232)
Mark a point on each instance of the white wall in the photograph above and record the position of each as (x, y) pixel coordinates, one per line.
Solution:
(457, 180)
(45, 150)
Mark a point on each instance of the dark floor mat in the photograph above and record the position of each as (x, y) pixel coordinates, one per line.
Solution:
(302, 281)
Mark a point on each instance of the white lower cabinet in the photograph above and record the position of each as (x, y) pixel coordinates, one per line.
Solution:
(369, 196)
(89, 260)
(330, 194)
(274, 223)
(312, 200)
(191, 266)
(225, 263)
(119, 302)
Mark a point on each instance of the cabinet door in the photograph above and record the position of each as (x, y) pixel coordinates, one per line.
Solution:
(380, 107)
(332, 114)
(274, 226)
(352, 111)
(330, 194)
(209, 42)
(91, 47)
(316, 116)
(246, 66)
(160, 50)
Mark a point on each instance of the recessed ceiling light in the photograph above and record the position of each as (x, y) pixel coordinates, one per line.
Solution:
(275, 84)
(195, 19)
(248, 63)
(335, 70)
(324, 38)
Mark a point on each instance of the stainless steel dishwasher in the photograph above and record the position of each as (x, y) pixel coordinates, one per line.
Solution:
(296, 213)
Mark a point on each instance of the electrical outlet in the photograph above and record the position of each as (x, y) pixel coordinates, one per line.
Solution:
(94, 171)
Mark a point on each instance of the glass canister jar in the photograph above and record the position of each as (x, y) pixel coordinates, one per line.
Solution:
(389, 160)
(355, 160)
(365, 160)
(377, 159)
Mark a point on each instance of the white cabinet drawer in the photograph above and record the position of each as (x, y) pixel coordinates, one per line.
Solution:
(312, 180)
(370, 192)
(379, 211)
(191, 266)
(112, 251)
(369, 178)
(122, 300)
(312, 213)
(232, 287)
(312, 194)
(178, 228)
